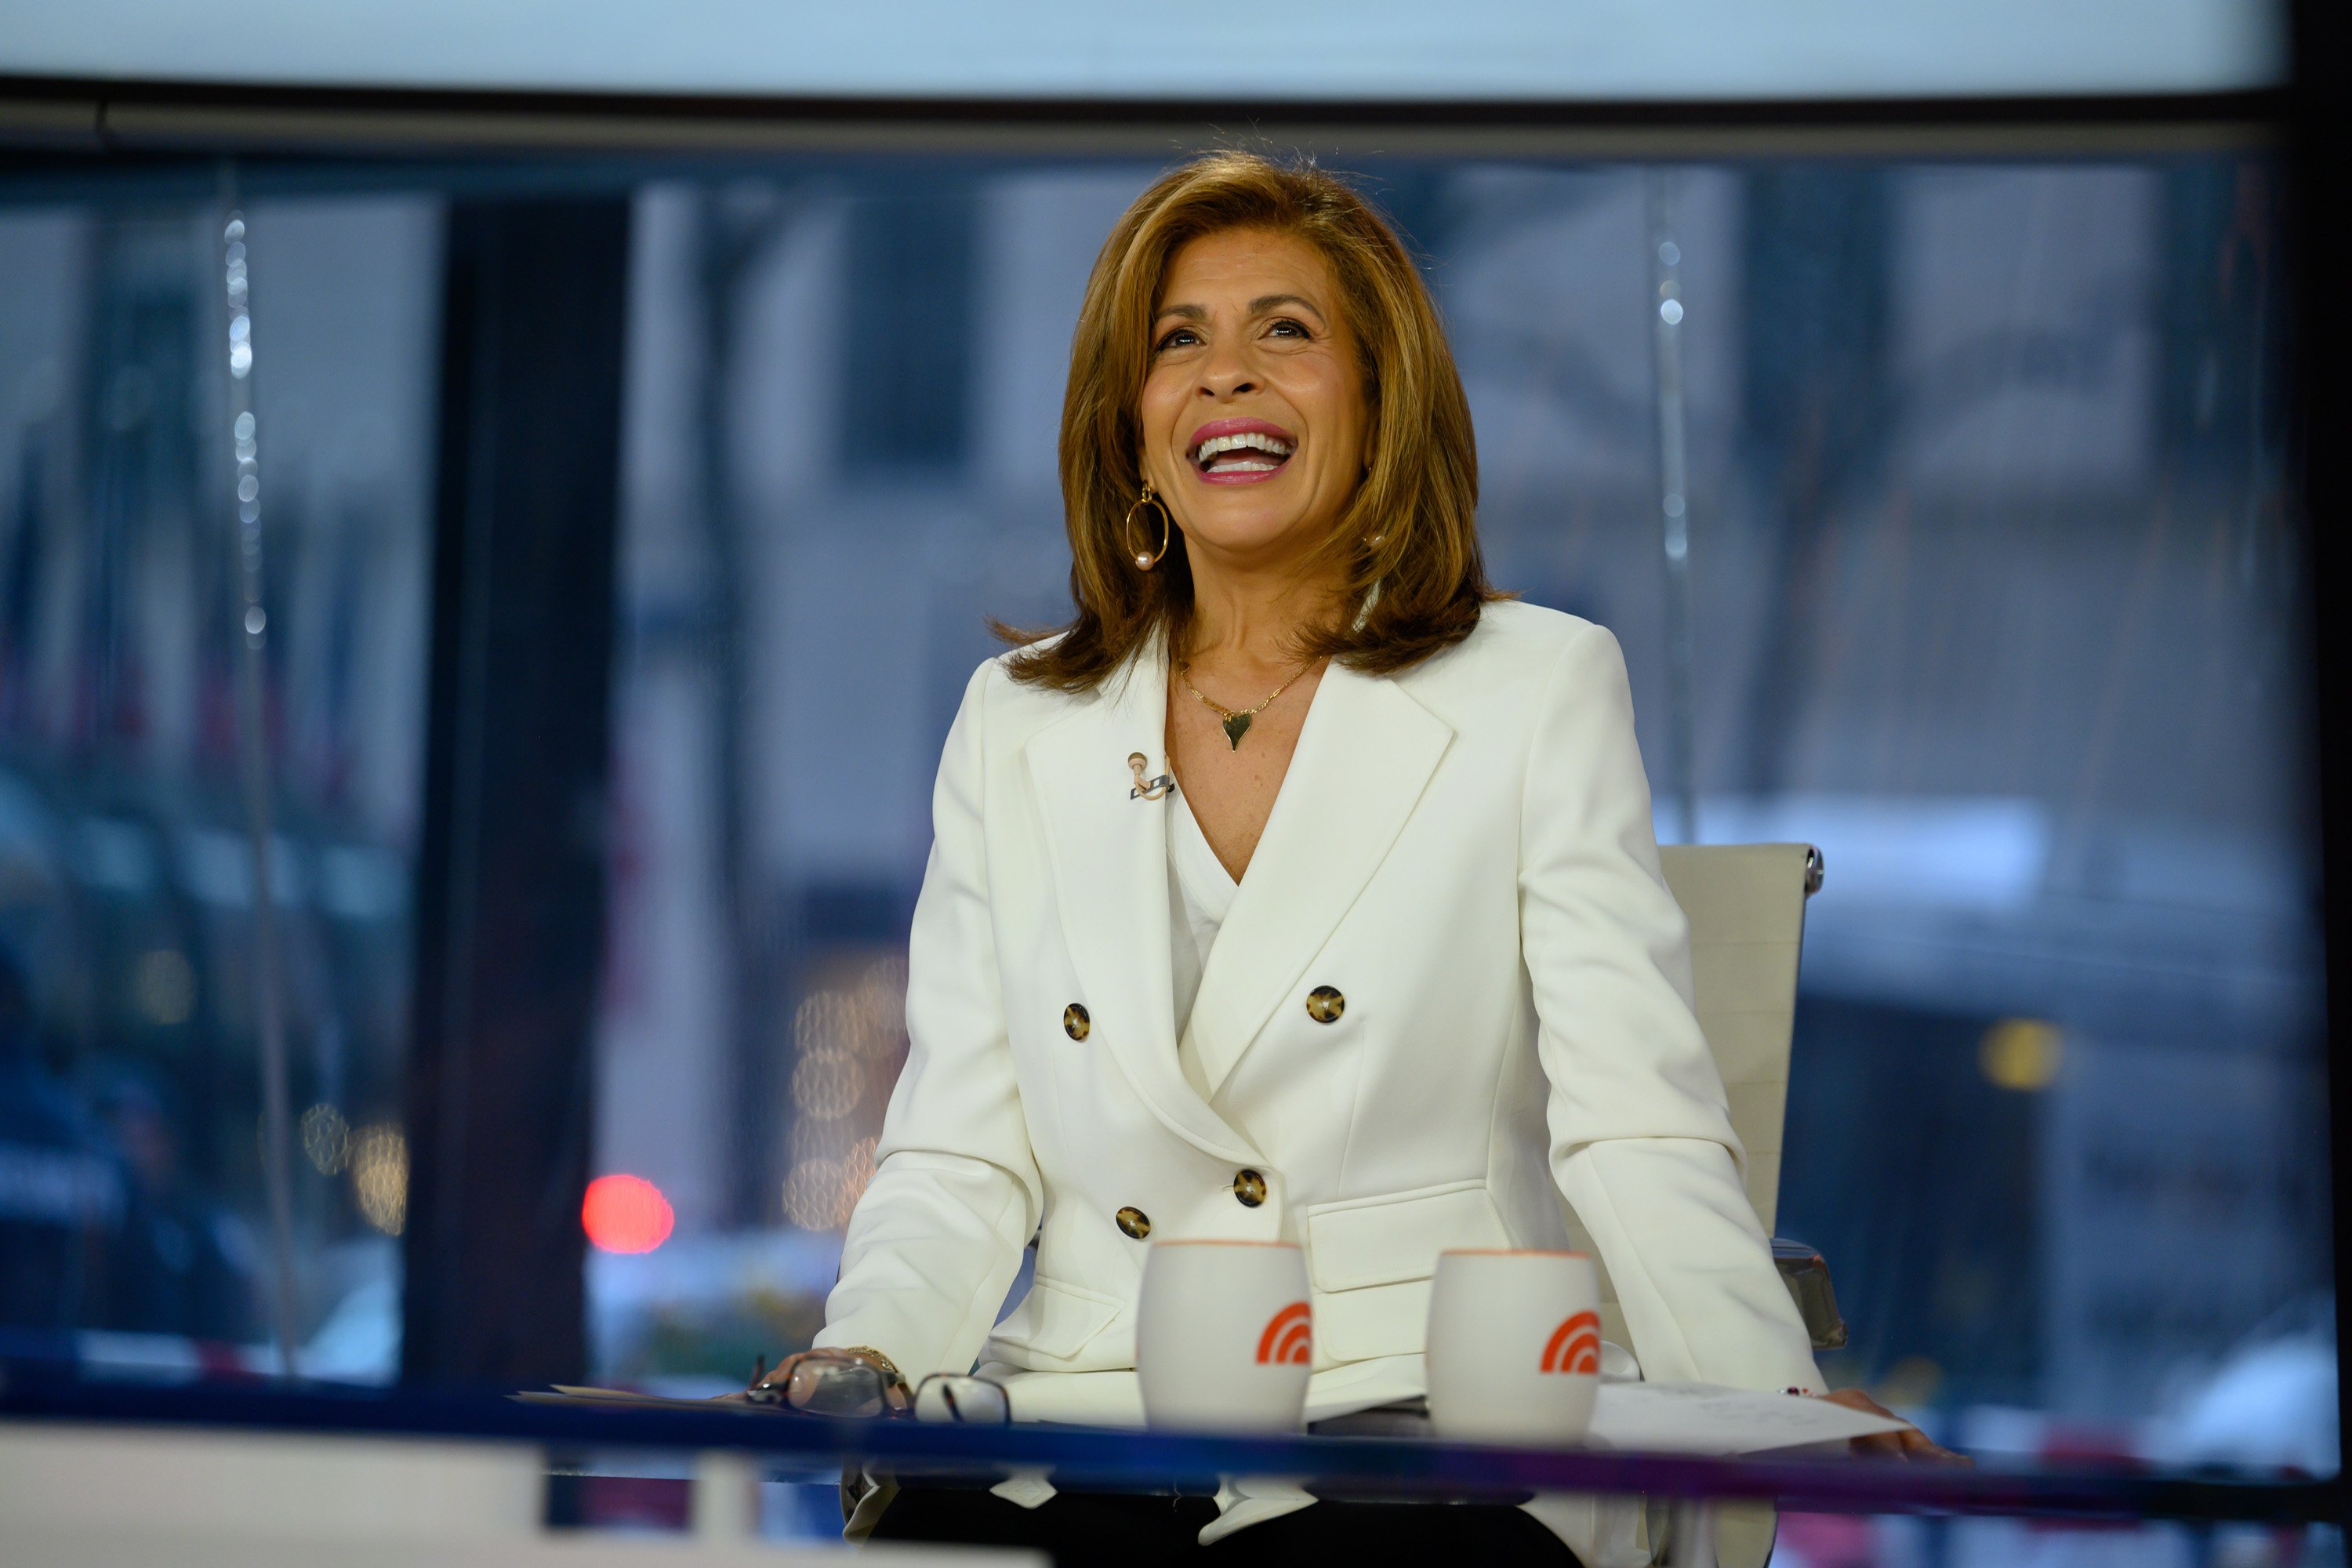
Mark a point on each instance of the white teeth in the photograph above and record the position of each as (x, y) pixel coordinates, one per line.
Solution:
(1246, 440)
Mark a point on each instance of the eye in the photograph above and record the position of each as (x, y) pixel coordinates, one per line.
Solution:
(1180, 337)
(1288, 327)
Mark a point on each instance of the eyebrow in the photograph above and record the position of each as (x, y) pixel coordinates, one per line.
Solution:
(1257, 307)
(1266, 302)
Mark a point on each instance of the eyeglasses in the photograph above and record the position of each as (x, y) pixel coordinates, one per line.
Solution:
(834, 1383)
(830, 1382)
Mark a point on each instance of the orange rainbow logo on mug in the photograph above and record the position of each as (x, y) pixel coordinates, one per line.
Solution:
(1289, 1337)
(1575, 1345)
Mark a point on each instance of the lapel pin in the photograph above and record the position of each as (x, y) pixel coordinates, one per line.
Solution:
(1148, 789)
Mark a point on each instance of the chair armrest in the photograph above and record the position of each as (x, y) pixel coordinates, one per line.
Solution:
(1807, 1274)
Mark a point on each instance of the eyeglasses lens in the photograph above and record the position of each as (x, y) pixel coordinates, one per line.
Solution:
(834, 1388)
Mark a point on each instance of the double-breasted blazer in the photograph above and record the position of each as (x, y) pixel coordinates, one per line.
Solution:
(1452, 991)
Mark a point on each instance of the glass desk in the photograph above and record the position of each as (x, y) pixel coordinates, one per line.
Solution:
(747, 1443)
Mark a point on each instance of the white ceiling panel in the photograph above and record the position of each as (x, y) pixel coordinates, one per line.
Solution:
(1606, 50)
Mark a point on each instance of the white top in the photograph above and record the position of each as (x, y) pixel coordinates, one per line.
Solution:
(1200, 894)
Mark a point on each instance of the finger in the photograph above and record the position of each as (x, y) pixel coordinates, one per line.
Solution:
(1909, 1443)
(1918, 1446)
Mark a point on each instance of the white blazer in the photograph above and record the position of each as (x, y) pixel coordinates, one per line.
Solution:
(1464, 852)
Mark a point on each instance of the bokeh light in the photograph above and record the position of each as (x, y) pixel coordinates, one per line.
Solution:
(326, 1139)
(626, 1214)
(2022, 1054)
(379, 1166)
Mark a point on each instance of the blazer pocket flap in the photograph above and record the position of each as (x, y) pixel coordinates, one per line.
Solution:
(1056, 1319)
(1386, 1240)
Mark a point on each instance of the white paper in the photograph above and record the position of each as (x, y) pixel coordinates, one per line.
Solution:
(1701, 1418)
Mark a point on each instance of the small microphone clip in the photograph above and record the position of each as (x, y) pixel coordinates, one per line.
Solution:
(1148, 789)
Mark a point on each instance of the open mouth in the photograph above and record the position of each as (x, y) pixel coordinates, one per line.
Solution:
(1240, 451)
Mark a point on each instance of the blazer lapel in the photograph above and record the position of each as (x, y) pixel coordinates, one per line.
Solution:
(1110, 856)
(1364, 755)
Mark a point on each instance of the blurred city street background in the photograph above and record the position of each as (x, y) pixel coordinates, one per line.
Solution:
(1982, 581)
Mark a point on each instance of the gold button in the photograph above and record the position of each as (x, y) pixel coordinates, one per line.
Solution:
(1075, 1022)
(1324, 1004)
(1249, 1187)
(1135, 1222)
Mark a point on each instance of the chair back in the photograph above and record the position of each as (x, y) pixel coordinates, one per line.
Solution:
(1746, 905)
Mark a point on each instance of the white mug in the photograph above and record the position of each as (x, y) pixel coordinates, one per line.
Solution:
(1223, 1336)
(1514, 1346)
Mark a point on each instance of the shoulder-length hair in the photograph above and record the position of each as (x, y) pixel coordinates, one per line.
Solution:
(1411, 577)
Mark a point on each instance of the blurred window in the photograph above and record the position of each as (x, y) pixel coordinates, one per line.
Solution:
(1979, 577)
(130, 1188)
(1938, 507)
(905, 346)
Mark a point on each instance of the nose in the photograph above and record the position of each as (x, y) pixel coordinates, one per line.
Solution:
(1227, 373)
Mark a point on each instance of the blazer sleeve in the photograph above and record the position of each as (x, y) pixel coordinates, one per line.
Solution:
(937, 1239)
(1642, 1145)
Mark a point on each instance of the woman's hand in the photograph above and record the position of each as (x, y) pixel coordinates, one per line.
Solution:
(844, 1380)
(1908, 1444)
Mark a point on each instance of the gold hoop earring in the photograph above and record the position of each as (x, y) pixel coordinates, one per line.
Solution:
(1126, 529)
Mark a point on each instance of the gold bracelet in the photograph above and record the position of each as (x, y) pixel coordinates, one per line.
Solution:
(876, 1357)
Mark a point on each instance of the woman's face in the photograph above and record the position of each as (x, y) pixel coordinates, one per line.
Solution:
(1254, 410)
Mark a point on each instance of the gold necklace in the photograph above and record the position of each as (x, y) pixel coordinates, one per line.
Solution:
(1235, 725)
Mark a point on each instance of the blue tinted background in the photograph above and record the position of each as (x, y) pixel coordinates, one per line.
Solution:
(1993, 595)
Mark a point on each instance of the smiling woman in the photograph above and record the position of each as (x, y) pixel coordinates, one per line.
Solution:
(1392, 970)
(1285, 283)
(1223, 346)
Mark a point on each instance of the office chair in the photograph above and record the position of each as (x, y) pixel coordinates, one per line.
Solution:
(1746, 904)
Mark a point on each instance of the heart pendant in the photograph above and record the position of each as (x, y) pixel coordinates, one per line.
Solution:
(1236, 726)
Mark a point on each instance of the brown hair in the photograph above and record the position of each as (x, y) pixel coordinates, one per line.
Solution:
(1407, 544)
